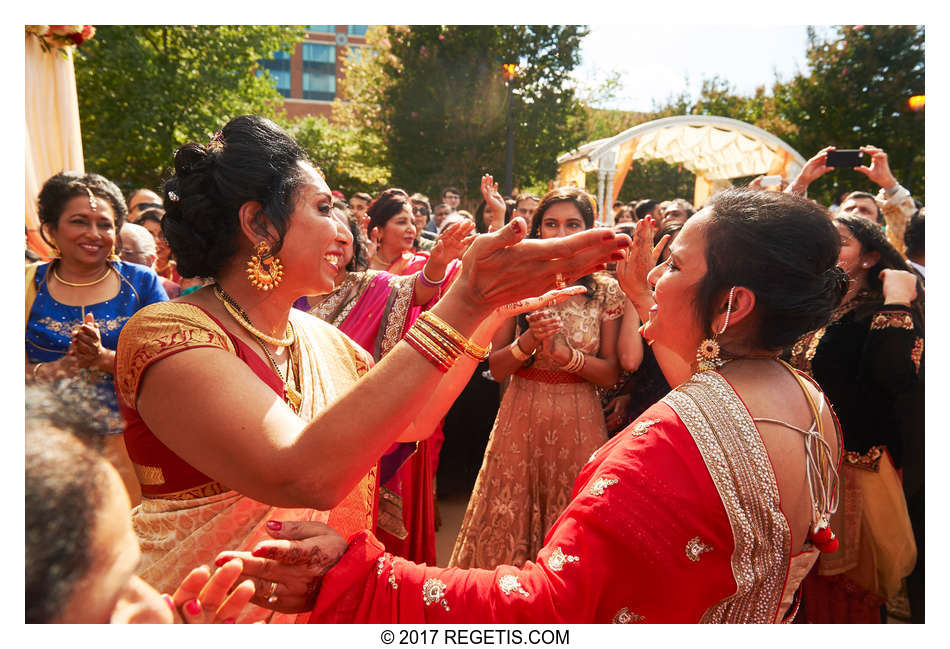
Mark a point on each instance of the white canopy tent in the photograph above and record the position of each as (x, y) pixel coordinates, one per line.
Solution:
(716, 149)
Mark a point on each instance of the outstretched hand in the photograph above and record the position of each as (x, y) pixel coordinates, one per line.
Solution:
(641, 259)
(495, 207)
(452, 243)
(287, 570)
(203, 598)
(815, 168)
(501, 267)
(880, 169)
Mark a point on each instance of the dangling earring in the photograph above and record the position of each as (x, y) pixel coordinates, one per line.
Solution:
(114, 255)
(707, 356)
(264, 270)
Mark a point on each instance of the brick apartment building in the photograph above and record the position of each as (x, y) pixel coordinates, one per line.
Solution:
(308, 79)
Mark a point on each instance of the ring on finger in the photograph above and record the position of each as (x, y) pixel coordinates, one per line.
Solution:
(271, 594)
(559, 281)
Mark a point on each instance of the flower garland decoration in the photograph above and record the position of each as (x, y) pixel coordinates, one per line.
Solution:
(61, 37)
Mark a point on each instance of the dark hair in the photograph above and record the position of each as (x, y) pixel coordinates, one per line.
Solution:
(644, 207)
(671, 229)
(584, 204)
(914, 234)
(250, 159)
(360, 260)
(421, 198)
(682, 204)
(151, 214)
(511, 205)
(781, 247)
(363, 196)
(578, 197)
(451, 190)
(872, 238)
(65, 186)
(66, 482)
(870, 197)
(387, 205)
(626, 209)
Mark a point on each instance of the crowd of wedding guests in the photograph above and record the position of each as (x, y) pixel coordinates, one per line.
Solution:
(425, 307)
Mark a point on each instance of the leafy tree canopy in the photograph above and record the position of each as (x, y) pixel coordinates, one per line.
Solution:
(146, 89)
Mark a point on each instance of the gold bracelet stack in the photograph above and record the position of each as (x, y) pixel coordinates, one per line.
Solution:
(516, 351)
(576, 364)
(440, 326)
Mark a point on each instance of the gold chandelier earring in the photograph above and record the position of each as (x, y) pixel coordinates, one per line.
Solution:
(264, 270)
(707, 356)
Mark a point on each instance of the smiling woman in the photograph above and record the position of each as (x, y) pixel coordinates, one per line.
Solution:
(241, 410)
(78, 304)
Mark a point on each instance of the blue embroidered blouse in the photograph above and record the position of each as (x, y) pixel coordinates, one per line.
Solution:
(49, 331)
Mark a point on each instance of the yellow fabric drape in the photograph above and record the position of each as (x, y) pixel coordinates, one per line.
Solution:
(53, 141)
(571, 173)
(624, 164)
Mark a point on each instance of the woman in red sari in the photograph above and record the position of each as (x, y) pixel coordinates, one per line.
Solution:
(714, 504)
(240, 409)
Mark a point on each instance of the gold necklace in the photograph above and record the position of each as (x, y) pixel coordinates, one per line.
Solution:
(382, 261)
(81, 284)
(291, 394)
(242, 318)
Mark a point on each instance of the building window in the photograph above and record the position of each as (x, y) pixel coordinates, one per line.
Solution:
(325, 29)
(279, 69)
(319, 71)
(357, 30)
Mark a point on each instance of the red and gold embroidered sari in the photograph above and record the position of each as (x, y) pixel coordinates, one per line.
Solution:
(186, 517)
(676, 519)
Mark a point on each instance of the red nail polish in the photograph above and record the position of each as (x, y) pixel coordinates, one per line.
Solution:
(220, 562)
(617, 255)
(193, 607)
(260, 552)
(230, 620)
(274, 525)
(608, 235)
(168, 600)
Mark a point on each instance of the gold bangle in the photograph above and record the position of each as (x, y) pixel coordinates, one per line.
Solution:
(469, 348)
(36, 369)
(517, 352)
(436, 354)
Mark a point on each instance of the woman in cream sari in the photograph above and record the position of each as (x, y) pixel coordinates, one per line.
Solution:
(237, 405)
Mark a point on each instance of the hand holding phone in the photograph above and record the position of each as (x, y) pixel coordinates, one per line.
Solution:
(844, 158)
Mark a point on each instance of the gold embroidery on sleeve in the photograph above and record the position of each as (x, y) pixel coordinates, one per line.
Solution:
(640, 428)
(433, 592)
(557, 559)
(601, 483)
(149, 475)
(509, 584)
(696, 547)
(917, 352)
(624, 616)
(896, 319)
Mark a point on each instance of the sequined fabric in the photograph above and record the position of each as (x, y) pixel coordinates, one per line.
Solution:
(543, 434)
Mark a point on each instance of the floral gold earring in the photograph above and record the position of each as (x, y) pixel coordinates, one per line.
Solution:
(264, 270)
(707, 356)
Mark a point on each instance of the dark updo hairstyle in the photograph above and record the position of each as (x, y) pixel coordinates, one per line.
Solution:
(250, 159)
(67, 185)
(872, 238)
(781, 247)
(61, 505)
(387, 205)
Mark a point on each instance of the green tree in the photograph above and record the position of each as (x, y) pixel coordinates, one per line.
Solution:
(856, 92)
(145, 89)
(344, 154)
(437, 98)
